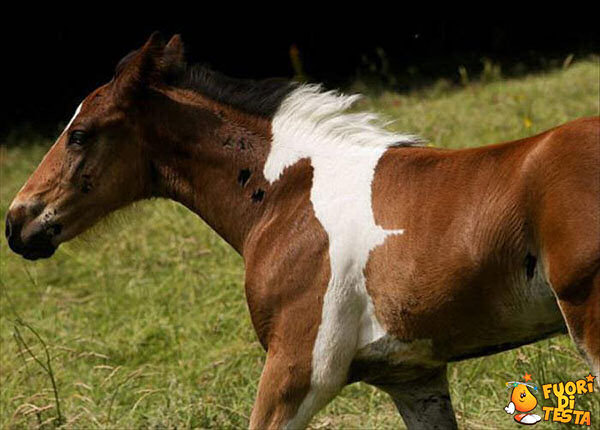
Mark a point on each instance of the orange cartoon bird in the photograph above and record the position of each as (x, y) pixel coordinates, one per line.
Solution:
(523, 401)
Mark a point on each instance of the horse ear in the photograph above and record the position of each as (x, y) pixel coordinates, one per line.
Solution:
(143, 67)
(174, 52)
(173, 60)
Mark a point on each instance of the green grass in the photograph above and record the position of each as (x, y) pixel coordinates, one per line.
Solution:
(147, 326)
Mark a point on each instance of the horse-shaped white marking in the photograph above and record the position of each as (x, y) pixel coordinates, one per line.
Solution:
(344, 150)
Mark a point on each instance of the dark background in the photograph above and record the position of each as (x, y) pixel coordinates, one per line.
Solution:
(52, 63)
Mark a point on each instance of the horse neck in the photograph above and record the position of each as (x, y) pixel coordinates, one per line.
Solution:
(210, 157)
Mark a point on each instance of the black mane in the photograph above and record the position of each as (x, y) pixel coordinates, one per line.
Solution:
(261, 98)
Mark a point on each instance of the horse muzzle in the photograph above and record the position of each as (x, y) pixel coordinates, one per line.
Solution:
(29, 236)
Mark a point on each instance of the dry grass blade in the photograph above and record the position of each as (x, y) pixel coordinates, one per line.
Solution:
(47, 367)
(131, 376)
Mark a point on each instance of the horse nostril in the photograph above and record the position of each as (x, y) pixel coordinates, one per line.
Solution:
(8, 228)
(13, 233)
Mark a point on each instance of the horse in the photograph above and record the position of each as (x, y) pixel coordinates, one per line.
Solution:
(368, 255)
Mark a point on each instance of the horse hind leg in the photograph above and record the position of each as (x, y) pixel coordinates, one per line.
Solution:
(580, 306)
(424, 403)
(568, 229)
(572, 261)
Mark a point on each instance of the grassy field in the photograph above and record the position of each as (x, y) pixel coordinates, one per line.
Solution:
(147, 327)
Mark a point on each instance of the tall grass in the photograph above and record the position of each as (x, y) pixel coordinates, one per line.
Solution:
(146, 324)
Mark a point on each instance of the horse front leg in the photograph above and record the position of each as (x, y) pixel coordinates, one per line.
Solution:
(289, 393)
(284, 383)
(308, 359)
(424, 403)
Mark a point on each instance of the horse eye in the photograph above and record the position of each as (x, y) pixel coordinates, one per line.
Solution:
(77, 137)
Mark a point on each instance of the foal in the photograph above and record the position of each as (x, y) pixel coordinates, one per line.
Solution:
(367, 256)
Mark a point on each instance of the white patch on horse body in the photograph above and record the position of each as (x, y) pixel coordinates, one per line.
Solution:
(344, 150)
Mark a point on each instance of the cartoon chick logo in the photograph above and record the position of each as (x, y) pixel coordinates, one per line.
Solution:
(523, 401)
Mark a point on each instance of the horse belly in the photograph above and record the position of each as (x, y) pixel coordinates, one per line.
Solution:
(524, 310)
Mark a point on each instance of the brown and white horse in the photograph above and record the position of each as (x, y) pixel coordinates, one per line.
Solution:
(368, 257)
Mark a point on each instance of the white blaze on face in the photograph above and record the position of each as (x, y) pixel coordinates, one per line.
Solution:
(16, 202)
(344, 150)
(73, 118)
